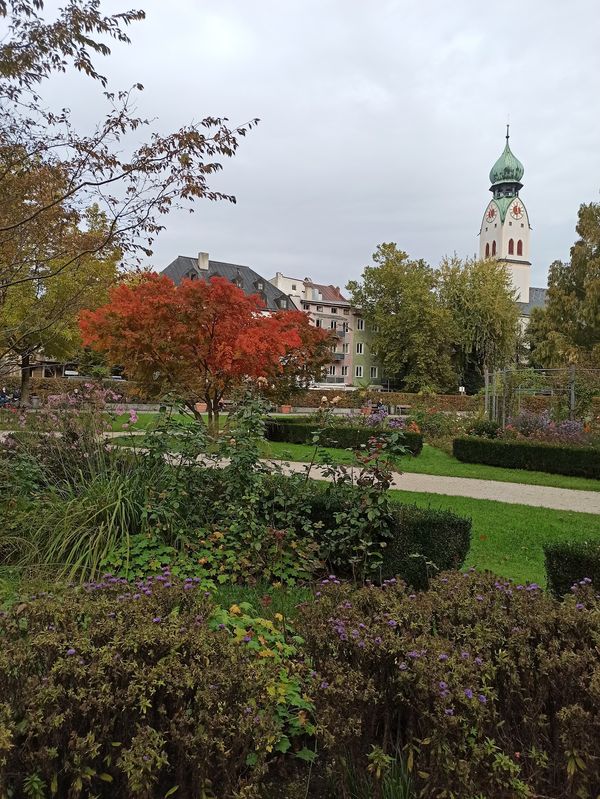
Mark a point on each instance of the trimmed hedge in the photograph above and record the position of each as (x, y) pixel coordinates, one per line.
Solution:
(425, 540)
(354, 399)
(570, 562)
(533, 456)
(299, 431)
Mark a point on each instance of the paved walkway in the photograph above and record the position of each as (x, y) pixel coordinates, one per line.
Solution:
(512, 493)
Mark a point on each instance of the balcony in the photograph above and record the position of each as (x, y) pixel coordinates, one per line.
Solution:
(337, 356)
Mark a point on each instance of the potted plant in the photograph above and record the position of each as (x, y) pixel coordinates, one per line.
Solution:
(285, 409)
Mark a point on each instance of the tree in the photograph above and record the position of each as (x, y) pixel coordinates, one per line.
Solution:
(199, 340)
(480, 297)
(50, 173)
(41, 316)
(412, 331)
(567, 330)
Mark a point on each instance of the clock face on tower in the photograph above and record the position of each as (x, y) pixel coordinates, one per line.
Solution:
(516, 210)
(491, 214)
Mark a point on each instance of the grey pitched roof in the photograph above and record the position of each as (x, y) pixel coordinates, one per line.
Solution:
(249, 280)
(537, 299)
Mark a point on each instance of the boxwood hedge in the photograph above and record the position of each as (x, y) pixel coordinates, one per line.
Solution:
(300, 431)
(530, 455)
(425, 540)
(571, 562)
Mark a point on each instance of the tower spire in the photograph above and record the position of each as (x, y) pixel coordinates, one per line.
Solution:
(507, 131)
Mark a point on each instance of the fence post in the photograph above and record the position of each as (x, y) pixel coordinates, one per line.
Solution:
(571, 392)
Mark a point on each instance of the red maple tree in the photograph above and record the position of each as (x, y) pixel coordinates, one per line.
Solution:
(199, 339)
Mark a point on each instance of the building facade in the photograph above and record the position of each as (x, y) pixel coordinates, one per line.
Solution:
(505, 232)
(352, 361)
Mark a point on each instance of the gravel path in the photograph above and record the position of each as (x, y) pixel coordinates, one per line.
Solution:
(512, 493)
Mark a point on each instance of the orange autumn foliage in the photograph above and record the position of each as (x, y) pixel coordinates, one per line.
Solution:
(199, 339)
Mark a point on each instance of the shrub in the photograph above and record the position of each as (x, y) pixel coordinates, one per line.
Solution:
(533, 456)
(541, 427)
(300, 431)
(418, 542)
(571, 563)
(148, 690)
(486, 688)
(484, 428)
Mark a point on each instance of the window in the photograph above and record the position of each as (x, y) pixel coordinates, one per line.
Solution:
(375, 328)
(360, 324)
(373, 371)
(331, 371)
(345, 348)
(487, 250)
(333, 324)
(494, 247)
(345, 327)
(344, 371)
(192, 275)
(334, 310)
(511, 247)
(359, 348)
(306, 306)
(346, 311)
(319, 308)
(358, 371)
(260, 285)
(520, 247)
(319, 323)
(293, 287)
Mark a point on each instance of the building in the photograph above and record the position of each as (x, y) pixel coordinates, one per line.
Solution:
(201, 268)
(352, 362)
(505, 230)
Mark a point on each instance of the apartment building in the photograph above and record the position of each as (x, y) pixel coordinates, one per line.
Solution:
(352, 362)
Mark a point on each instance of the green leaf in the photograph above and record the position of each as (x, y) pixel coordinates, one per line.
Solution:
(306, 754)
(251, 759)
(171, 791)
(283, 744)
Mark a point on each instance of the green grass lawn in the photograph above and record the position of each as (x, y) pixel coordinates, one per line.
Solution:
(508, 539)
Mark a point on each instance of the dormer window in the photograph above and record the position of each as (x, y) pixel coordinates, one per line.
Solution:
(260, 285)
(192, 275)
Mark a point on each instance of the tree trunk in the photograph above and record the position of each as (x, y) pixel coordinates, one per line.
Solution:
(212, 407)
(25, 380)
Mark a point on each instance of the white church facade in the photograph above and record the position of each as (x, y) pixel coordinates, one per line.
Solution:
(505, 231)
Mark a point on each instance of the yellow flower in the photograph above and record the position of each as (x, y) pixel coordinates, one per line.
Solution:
(278, 617)
(235, 610)
(266, 653)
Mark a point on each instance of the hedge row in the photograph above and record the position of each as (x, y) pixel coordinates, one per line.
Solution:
(301, 432)
(571, 562)
(425, 540)
(533, 456)
(355, 399)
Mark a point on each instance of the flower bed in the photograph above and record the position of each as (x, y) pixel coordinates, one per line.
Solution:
(476, 687)
(530, 455)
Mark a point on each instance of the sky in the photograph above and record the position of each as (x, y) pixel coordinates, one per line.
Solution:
(379, 121)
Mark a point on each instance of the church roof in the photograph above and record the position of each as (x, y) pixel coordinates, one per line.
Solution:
(537, 299)
(248, 280)
(508, 168)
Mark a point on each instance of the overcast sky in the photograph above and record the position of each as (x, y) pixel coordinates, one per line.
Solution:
(380, 122)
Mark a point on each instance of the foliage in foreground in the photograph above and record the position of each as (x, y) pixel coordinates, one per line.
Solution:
(476, 687)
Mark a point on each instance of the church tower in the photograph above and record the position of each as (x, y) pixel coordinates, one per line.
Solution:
(505, 230)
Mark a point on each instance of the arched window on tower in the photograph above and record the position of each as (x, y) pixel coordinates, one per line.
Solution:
(487, 250)
(494, 247)
(511, 247)
(520, 247)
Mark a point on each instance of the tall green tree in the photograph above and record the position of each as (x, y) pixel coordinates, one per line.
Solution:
(412, 332)
(567, 330)
(480, 297)
(40, 317)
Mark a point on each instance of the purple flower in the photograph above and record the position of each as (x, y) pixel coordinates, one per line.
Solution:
(443, 656)
(247, 638)
(449, 711)
(324, 685)
(392, 623)
(468, 693)
(580, 606)
(71, 652)
(414, 654)
(479, 598)
(464, 655)
(377, 641)
(157, 620)
(443, 684)
(478, 661)
(402, 666)
(482, 699)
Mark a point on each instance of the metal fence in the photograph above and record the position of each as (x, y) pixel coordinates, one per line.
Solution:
(568, 392)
